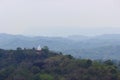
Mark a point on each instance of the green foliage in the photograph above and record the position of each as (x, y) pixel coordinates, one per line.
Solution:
(30, 64)
(109, 62)
(35, 69)
(45, 49)
(46, 77)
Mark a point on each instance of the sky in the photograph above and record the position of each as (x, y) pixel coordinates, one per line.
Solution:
(60, 17)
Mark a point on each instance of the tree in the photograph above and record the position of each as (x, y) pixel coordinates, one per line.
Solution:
(46, 77)
(89, 63)
(108, 62)
(45, 49)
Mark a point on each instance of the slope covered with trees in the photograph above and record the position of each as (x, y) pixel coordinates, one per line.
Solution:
(30, 64)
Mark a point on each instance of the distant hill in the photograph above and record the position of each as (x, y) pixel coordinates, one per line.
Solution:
(13, 41)
(105, 52)
(78, 37)
(79, 46)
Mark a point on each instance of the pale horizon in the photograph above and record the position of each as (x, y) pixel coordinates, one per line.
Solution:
(60, 18)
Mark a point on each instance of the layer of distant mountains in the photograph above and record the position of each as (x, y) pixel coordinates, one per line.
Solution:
(105, 46)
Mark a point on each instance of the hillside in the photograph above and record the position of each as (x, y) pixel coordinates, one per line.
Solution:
(30, 64)
(103, 52)
(97, 47)
(8, 41)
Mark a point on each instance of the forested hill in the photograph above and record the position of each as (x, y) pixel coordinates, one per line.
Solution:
(30, 64)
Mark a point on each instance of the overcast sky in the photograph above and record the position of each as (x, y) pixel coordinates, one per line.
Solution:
(59, 17)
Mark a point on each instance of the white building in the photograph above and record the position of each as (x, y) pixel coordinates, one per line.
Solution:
(39, 48)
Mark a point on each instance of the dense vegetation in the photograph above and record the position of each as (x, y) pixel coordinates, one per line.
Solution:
(30, 64)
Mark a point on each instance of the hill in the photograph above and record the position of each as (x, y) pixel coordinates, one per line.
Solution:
(98, 47)
(30, 64)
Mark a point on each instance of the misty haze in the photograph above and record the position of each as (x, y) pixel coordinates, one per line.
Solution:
(59, 40)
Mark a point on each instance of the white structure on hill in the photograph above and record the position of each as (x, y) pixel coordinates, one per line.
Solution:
(39, 48)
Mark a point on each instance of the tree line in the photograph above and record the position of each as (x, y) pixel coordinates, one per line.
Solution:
(31, 64)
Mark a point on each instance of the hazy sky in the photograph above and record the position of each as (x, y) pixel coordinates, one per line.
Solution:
(59, 17)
